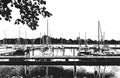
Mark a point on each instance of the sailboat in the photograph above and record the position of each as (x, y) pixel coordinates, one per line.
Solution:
(47, 49)
(18, 44)
(3, 44)
(103, 49)
(5, 49)
(84, 50)
(19, 48)
(99, 48)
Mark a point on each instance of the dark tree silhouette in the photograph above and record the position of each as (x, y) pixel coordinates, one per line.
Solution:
(29, 11)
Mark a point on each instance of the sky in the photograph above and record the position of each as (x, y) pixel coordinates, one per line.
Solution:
(71, 17)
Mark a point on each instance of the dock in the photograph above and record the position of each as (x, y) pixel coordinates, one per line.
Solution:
(65, 60)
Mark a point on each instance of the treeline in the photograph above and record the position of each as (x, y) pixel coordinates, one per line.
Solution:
(44, 39)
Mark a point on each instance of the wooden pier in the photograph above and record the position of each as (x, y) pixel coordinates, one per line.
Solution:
(65, 60)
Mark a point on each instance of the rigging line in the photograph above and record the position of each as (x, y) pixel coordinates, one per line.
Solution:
(103, 38)
(101, 34)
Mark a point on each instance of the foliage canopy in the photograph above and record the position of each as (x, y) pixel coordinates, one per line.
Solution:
(29, 11)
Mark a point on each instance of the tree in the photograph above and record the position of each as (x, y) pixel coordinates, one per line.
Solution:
(29, 11)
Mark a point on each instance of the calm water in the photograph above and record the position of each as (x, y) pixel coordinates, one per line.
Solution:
(90, 69)
(69, 52)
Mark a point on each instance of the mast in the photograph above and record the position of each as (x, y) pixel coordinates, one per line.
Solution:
(40, 40)
(4, 40)
(47, 33)
(47, 67)
(79, 42)
(62, 41)
(50, 42)
(99, 46)
(98, 34)
(85, 40)
(19, 36)
(26, 38)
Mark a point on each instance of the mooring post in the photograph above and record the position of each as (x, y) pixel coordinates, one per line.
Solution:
(74, 71)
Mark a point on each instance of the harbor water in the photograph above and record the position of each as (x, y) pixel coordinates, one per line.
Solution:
(115, 70)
